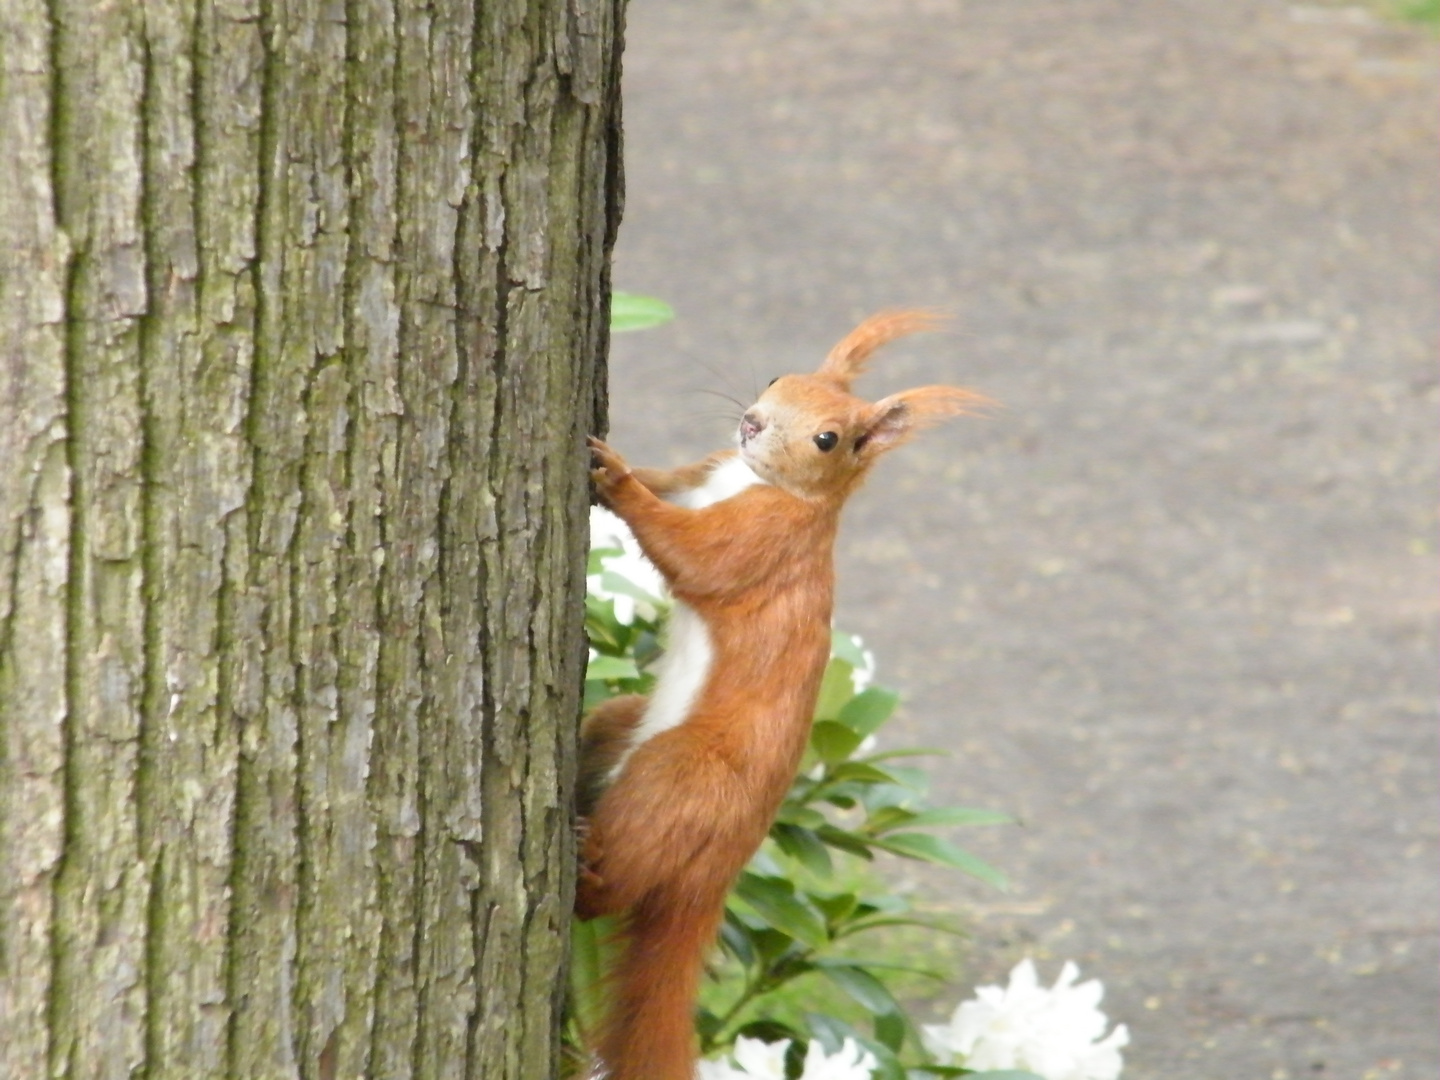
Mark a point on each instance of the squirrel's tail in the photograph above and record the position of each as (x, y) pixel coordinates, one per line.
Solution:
(649, 1027)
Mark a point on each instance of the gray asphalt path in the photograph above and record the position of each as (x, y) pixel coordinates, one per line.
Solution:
(1176, 605)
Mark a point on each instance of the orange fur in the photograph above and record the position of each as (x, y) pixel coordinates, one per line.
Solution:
(847, 360)
(665, 482)
(602, 741)
(690, 804)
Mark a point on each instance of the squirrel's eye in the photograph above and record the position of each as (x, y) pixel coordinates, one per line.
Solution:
(826, 440)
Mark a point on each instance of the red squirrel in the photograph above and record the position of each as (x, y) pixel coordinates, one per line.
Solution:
(678, 789)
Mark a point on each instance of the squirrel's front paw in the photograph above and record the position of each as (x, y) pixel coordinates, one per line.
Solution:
(609, 470)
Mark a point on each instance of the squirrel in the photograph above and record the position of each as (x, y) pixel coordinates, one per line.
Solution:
(677, 790)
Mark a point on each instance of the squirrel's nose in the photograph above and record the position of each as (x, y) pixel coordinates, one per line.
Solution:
(750, 426)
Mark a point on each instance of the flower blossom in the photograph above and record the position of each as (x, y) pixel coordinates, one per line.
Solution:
(753, 1060)
(850, 1062)
(864, 672)
(1056, 1032)
(756, 1060)
(628, 563)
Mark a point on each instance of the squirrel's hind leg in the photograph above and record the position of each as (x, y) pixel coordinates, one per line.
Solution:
(604, 737)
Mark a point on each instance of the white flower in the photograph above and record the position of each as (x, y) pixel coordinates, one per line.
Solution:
(863, 672)
(756, 1060)
(608, 531)
(1056, 1033)
(850, 1062)
(716, 1070)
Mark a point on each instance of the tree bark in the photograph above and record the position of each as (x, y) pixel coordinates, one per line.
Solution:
(302, 321)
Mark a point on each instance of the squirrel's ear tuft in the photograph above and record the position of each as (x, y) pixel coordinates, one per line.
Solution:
(847, 359)
(894, 419)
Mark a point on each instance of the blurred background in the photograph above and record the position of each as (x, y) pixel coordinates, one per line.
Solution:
(1175, 605)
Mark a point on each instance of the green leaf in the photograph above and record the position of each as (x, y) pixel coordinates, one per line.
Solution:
(595, 561)
(988, 1074)
(913, 751)
(804, 847)
(837, 837)
(833, 741)
(606, 631)
(763, 864)
(831, 1031)
(612, 667)
(862, 771)
(870, 992)
(884, 798)
(914, 779)
(895, 817)
(933, 849)
(888, 1066)
(836, 688)
(774, 900)
(888, 817)
(772, 945)
(877, 967)
(866, 711)
(928, 922)
(631, 312)
(792, 813)
(618, 583)
(707, 1026)
(591, 955)
(597, 692)
(898, 794)
(737, 940)
(837, 908)
(960, 815)
(884, 903)
(846, 647)
(769, 1030)
(890, 1029)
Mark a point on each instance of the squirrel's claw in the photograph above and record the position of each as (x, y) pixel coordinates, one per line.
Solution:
(609, 467)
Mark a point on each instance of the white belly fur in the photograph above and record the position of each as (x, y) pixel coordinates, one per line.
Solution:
(682, 671)
(730, 477)
(681, 675)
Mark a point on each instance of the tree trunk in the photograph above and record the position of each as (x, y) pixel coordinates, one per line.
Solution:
(303, 316)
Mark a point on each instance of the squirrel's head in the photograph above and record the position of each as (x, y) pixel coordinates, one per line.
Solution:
(808, 434)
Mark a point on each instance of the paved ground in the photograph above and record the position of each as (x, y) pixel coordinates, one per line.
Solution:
(1177, 605)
